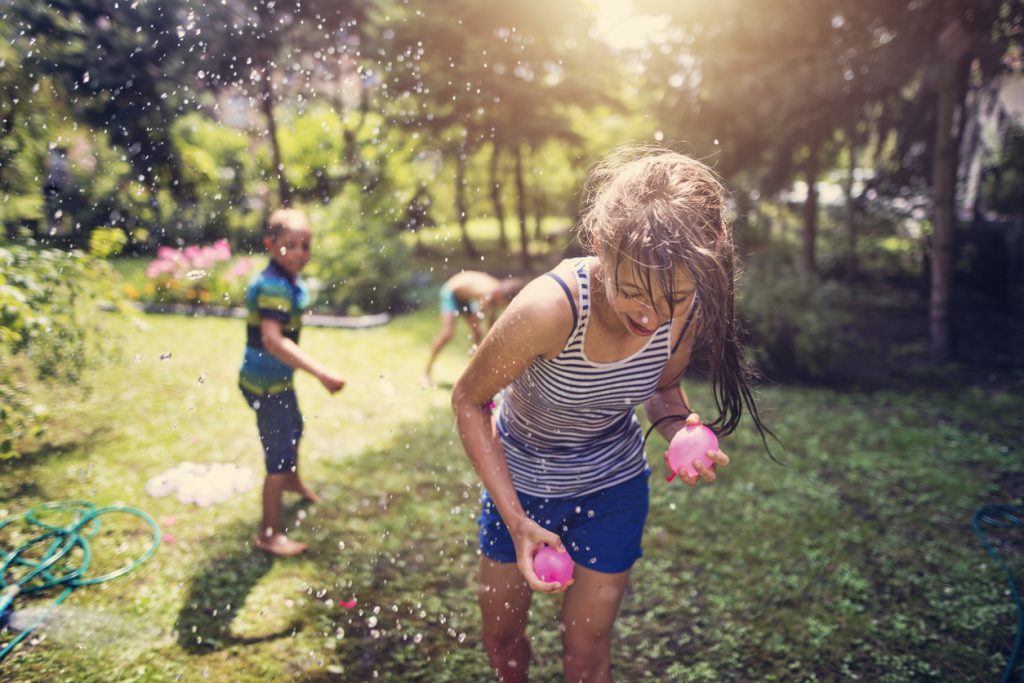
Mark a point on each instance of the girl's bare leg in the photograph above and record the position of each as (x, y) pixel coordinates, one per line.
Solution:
(588, 615)
(504, 598)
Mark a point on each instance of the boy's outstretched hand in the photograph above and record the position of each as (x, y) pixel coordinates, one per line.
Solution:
(332, 381)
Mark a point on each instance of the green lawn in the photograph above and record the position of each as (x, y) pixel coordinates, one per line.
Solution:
(853, 561)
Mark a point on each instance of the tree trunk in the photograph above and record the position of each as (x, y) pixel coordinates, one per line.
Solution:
(499, 208)
(851, 208)
(460, 199)
(811, 209)
(267, 105)
(524, 236)
(952, 87)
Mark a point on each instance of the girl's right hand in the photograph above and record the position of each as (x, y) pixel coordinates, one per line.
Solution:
(529, 537)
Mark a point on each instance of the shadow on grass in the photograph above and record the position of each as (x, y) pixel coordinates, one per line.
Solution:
(218, 591)
(32, 456)
(409, 557)
(358, 506)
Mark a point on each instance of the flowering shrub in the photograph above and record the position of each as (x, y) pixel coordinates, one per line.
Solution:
(197, 275)
(49, 330)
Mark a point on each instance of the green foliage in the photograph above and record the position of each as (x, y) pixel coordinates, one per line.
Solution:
(119, 69)
(312, 146)
(357, 255)
(1003, 185)
(223, 174)
(48, 329)
(106, 242)
(798, 325)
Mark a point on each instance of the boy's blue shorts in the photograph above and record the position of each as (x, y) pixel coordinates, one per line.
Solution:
(452, 306)
(602, 530)
(280, 424)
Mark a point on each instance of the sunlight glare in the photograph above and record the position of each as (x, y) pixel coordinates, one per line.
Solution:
(620, 26)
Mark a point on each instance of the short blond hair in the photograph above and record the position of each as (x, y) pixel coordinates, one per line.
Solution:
(281, 220)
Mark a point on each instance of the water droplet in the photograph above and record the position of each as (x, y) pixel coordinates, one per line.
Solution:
(195, 274)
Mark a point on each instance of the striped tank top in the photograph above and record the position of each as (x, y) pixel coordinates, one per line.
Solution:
(568, 424)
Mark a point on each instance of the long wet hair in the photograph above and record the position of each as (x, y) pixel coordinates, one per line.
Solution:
(658, 210)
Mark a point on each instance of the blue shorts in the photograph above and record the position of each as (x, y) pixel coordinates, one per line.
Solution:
(280, 424)
(450, 305)
(602, 530)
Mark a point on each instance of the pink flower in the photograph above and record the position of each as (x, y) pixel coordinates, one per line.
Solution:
(158, 267)
(222, 250)
(241, 267)
(168, 254)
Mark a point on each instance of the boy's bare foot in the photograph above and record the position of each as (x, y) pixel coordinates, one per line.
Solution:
(278, 544)
(308, 494)
(426, 382)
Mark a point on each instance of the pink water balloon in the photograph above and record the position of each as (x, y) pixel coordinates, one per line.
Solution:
(552, 566)
(691, 443)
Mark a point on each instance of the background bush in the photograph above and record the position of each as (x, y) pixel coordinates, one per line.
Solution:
(358, 250)
(799, 326)
(49, 329)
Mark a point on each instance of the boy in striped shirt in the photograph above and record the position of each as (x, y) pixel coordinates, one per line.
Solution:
(276, 300)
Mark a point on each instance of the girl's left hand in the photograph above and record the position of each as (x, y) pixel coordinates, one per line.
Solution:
(703, 471)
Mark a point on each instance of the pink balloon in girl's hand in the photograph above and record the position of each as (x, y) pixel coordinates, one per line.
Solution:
(553, 566)
(690, 443)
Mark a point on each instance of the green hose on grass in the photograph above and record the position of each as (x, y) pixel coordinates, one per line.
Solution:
(44, 562)
(1003, 517)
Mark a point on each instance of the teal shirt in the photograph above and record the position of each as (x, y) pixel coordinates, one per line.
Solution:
(276, 296)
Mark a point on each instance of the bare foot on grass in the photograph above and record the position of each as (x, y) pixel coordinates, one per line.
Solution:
(298, 486)
(278, 544)
(308, 494)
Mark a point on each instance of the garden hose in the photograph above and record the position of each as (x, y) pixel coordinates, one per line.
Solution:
(1003, 517)
(44, 562)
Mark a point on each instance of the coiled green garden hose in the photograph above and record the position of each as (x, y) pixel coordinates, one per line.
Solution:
(52, 568)
(1003, 517)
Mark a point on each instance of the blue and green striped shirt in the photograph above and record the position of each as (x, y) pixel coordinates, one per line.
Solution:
(277, 296)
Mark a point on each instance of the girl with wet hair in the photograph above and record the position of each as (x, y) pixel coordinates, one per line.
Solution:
(562, 460)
